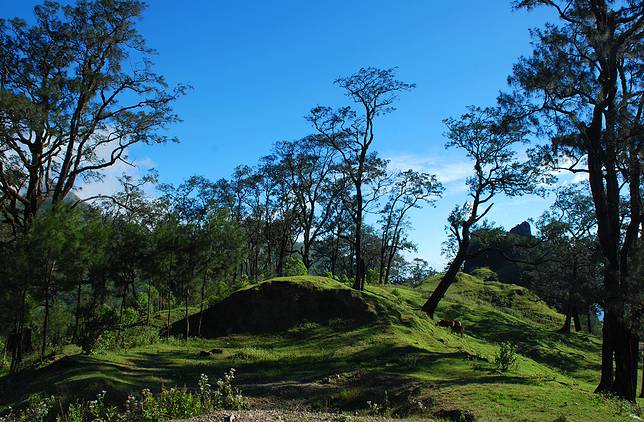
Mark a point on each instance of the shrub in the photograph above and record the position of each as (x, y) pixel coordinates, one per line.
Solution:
(294, 266)
(167, 405)
(37, 410)
(97, 321)
(127, 338)
(485, 274)
(506, 357)
(372, 276)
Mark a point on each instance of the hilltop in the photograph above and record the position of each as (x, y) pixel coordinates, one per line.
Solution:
(389, 354)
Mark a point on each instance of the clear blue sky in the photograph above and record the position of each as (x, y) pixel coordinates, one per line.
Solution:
(257, 67)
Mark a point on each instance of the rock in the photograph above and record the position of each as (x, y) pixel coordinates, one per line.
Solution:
(522, 229)
(216, 351)
(204, 354)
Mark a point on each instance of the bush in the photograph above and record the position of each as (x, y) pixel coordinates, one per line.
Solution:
(97, 322)
(506, 357)
(294, 267)
(37, 410)
(485, 274)
(372, 276)
(167, 405)
(127, 338)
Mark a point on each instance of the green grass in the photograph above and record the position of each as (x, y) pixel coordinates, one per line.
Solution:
(403, 353)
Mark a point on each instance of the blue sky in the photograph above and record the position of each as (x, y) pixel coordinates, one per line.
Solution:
(257, 67)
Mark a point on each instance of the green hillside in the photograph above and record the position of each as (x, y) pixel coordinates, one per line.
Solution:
(401, 360)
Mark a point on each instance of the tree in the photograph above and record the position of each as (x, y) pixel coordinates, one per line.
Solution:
(352, 133)
(409, 189)
(77, 90)
(582, 87)
(309, 167)
(489, 139)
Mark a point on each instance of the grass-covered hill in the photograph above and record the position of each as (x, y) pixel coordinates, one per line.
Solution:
(389, 354)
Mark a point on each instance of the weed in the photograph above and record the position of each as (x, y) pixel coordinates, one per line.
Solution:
(506, 357)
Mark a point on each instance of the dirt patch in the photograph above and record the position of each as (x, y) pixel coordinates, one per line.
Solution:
(278, 305)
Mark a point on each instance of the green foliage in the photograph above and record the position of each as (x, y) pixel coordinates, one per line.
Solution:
(168, 404)
(294, 266)
(506, 357)
(97, 322)
(485, 274)
(372, 276)
(127, 338)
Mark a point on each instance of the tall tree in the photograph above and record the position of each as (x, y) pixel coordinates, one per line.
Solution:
(489, 140)
(77, 89)
(309, 167)
(582, 86)
(409, 189)
(352, 132)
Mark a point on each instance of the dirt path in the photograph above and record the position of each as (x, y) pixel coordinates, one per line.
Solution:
(290, 416)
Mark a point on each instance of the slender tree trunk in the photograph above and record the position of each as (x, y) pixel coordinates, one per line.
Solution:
(16, 355)
(575, 318)
(590, 320)
(392, 254)
(45, 325)
(334, 254)
(306, 252)
(203, 295)
(187, 319)
(78, 307)
(450, 276)
(642, 390)
(4, 351)
(149, 303)
(168, 318)
(359, 280)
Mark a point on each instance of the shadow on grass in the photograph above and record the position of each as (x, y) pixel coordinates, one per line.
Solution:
(539, 344)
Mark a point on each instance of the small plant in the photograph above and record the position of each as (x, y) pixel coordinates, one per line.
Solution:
(169, 404)
(506, 357)
(380, 409)
(101, 411)
(37, 410)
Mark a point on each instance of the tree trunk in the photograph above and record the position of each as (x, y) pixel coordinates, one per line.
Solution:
(45, 325)
(432, 303)
(16, 352)
(78, 307)
(334, 254)
(575, 318)
(392, 254)
(607, 371)
(203, 295)
(565, 329)
(642, 390)
(149, 303)
(358, 283)
(590, 320)
(626, 345)
(168, 319)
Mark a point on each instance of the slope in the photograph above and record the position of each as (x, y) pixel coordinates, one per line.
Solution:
(399, 361)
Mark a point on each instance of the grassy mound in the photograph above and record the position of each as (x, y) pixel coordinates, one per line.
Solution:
(386, 352)
(281, 303)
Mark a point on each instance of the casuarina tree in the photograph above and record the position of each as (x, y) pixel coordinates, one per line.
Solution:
(489, 139)
(582, 89)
